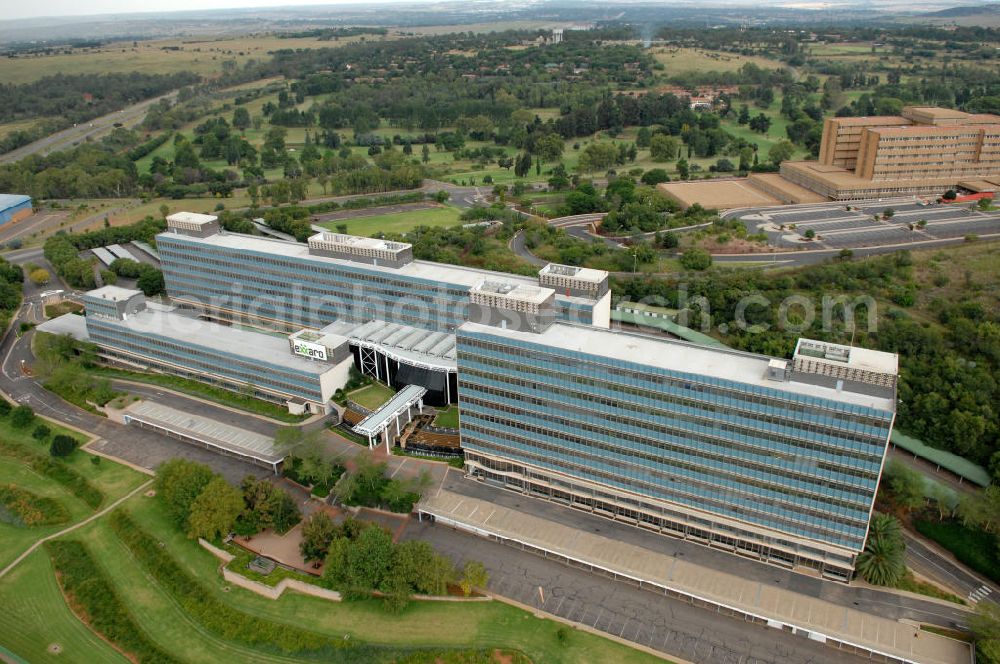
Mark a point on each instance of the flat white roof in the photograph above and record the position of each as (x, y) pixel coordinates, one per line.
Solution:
(442, 272)
(513, 290)
(580, 273)
(192, 218)
(113, 293)
(72, 324)
(850, 356)
(192, 331)
(675, 355)
(360, 241)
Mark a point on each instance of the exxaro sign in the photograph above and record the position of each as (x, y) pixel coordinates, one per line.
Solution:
(315, 351)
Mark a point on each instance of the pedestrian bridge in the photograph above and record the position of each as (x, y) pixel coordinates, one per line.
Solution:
(389, 416)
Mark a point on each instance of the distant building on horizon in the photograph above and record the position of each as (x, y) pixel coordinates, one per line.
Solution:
(14, 208)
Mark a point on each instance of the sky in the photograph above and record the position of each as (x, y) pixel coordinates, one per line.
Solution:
(15, 10)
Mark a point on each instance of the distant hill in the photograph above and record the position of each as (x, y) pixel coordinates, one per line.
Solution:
(962, 12)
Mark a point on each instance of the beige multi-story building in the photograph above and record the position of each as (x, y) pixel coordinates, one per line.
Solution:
(925, 150)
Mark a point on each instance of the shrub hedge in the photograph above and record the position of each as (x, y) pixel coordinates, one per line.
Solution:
(57, 471)
(31, 509)
(93, 596)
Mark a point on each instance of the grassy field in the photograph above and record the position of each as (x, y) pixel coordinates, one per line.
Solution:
(161, 56)
(10, 127)
(678, 60)
(371, 396)
(36, 616)
(112, 479)
(447, 418)
(398, 222)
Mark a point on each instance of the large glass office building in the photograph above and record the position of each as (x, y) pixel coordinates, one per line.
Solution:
(335, 277)
(129, 331)
(772, 459)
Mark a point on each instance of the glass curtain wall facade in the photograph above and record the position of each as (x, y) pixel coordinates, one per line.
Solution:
(203, 363)
(780, 476)
(287, 292)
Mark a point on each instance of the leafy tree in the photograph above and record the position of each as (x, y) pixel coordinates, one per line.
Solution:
(549, 147)
(425, 570)
(284, 512)
(683, 170)
(62, 445)
(241, 118)
(40, 276)
(655, 176)
(150, 281)
(215, 510)
(664, 148)
(696, 259)
(522, 165)
(317, 532)
(760, 123)
(598, 156)
(22, 417)
(41, 432)
(178, 483)
(781, 151)
(474, 575)
(906, 485)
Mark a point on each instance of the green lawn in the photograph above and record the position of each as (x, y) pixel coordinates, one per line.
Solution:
(371, 396)
(15, 539)
(35, 616)
(447, 418)
(399, 222)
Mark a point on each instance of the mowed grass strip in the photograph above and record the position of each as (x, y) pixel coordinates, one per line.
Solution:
(35, 618)
(90, 592)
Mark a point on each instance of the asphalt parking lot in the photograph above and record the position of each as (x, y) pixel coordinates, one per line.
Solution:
(837, 227)
(625, 611)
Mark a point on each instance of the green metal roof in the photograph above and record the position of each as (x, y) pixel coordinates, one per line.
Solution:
(687, 334)
(952, 462)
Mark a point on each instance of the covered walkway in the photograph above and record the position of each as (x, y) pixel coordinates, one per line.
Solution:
(390, 414)
(222, 438)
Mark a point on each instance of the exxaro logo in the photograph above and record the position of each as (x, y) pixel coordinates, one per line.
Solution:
(306, 349)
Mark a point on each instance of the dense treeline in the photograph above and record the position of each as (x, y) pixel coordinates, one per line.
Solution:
(11, 278)
(100, 170)
(81, 97)
(948, 387)
(63, 251)
(71, 99)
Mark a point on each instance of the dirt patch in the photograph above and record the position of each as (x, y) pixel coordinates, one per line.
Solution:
(738, 246)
